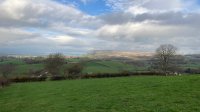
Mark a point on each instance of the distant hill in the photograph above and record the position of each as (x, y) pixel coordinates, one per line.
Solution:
(101, 54)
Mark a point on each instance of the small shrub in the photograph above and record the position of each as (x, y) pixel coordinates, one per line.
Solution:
(54, 78)
(123, 74)
(75, 69)
(4, 82)
(28, 79)
(6, 69)
(192, 71)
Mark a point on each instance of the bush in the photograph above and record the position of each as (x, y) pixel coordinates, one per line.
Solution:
(192, 71)
(75, 69)
(124, 74)
(54, 78)
(6, 69)
(4, 82)
(27, 79)
(83, 76)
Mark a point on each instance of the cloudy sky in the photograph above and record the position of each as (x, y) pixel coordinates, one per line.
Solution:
(75, 27)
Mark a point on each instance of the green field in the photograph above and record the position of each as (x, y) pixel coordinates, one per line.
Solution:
(109, 67)
(130, 94)
(95, 66)
(89, 66)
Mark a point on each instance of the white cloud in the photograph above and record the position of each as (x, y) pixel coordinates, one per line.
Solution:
(41, 13)
(137, 10)
(12, 34)
(140, 25)
(62, 39)
(148, 29)
(149, 33)
(45, 23)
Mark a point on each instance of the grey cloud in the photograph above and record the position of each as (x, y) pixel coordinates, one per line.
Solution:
(150, 34)
(12, 35)
(117, 18)
(41, 13)
(136, 30)
(171, 18)
(45, 26)
(165, 18)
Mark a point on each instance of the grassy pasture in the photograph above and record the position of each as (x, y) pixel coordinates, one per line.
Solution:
(108, 67)
(94, 66)
(130, 94)
(13, 61)
(89, 67)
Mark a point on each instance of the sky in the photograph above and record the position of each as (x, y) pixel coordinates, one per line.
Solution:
(76, 27)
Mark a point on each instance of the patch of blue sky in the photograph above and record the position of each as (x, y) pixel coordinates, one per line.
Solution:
(92, 7)
(193, 6)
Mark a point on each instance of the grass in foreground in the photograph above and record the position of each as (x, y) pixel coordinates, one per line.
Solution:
(130, 94)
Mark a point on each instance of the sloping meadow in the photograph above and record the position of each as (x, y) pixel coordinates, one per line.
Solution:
(142, 94)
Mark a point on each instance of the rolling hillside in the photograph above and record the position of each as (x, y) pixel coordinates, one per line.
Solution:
(138, 94)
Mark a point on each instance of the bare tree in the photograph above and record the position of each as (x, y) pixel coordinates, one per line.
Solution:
(165, 58)
(6, 69)
(54, 63)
